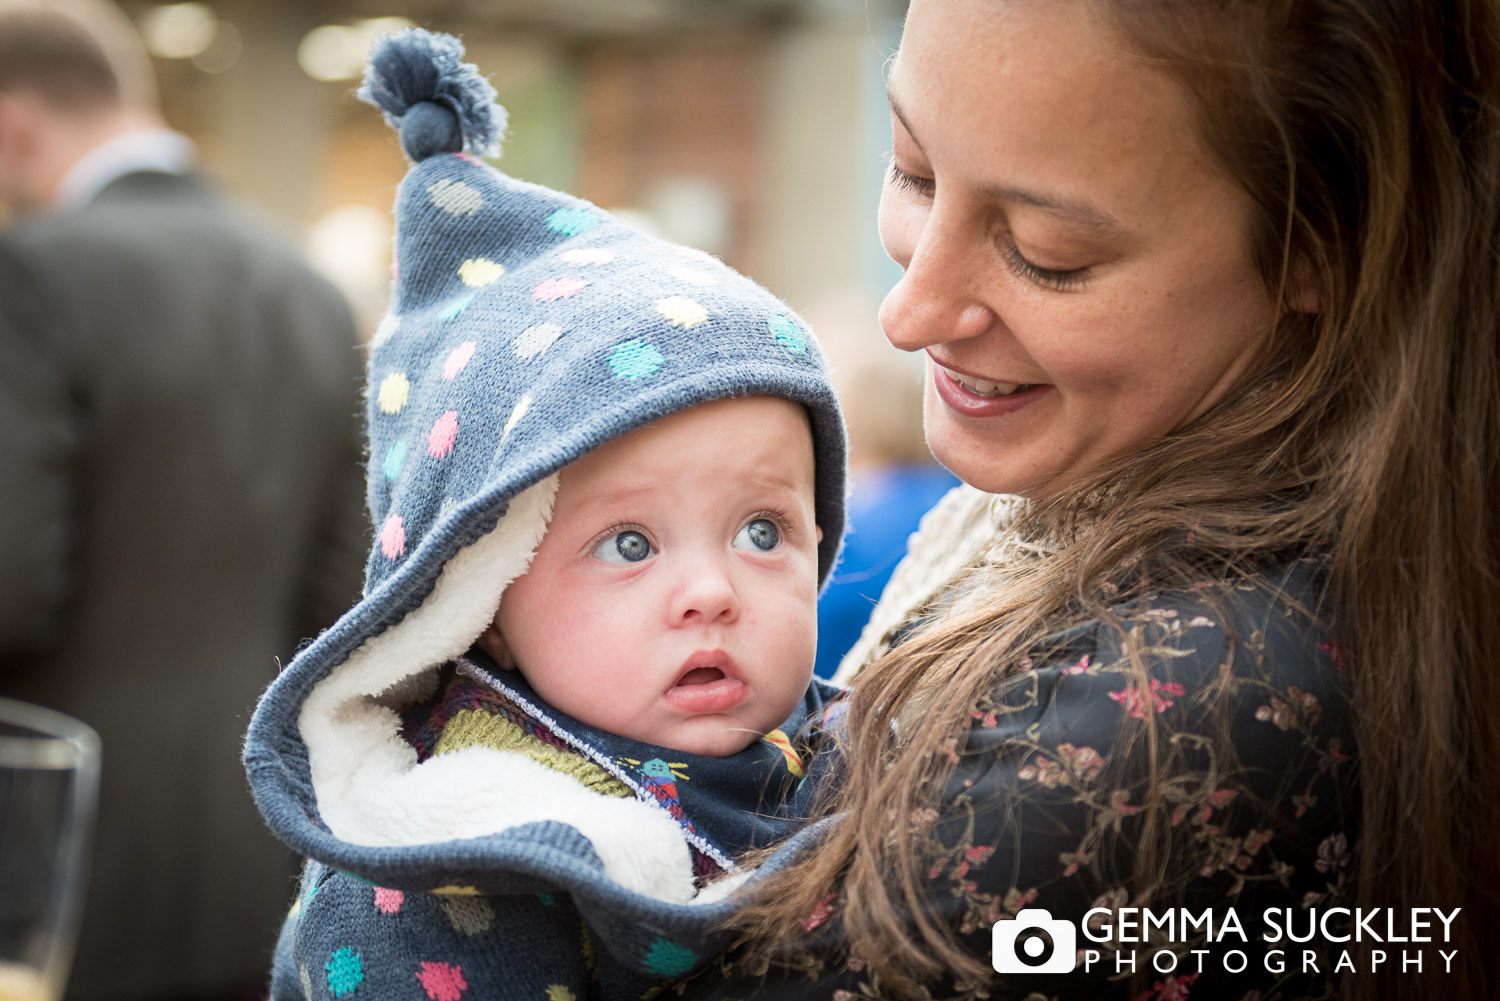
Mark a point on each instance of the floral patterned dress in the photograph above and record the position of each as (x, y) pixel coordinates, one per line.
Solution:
(1249, 691)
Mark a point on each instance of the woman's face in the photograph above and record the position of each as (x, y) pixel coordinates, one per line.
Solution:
(1077, 268)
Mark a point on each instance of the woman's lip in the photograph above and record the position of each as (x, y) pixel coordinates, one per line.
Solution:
(973, 405)
(713, 697)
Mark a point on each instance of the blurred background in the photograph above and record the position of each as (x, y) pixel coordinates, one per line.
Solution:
(752, 129)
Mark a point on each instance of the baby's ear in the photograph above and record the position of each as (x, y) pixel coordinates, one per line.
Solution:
(492, 642)
(820, 533)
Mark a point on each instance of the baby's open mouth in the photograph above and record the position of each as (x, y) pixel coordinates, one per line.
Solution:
(707, 684)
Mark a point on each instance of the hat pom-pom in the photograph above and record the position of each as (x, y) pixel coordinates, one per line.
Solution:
(436, 102)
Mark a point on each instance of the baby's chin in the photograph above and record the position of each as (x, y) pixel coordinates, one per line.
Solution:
(710, 738)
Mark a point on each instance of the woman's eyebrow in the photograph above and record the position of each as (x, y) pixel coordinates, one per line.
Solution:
(1076, 210)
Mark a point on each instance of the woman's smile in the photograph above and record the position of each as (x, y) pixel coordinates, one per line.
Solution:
(971, 396)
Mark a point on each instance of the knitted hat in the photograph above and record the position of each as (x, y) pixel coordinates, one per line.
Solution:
(529, 327)
(526, 328)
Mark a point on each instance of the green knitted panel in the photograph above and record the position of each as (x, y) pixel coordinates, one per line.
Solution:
(477, 728)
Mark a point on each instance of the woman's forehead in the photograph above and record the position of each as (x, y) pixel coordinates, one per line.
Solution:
(1042, 103)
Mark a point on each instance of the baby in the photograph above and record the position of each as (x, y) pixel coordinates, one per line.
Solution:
(606, 475)
(673, 598)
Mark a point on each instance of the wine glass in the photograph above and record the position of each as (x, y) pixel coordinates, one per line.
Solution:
(49, 787)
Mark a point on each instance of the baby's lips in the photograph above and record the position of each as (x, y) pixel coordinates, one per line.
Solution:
(705, 698)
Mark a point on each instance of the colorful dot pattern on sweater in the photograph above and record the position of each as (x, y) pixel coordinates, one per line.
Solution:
(442, 982)
(468, 915)
(670, 959)
(345, 972)
(388, 901)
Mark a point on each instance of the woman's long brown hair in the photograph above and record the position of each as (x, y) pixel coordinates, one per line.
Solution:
(1367, 133)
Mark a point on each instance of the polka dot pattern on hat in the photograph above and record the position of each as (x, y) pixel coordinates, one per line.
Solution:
(681, 311)
(587, 256)
(478, 272)
(395, 456)
(394, 390)
(534, 340)
(453, 309)
(393, 538)
(573, 221)
(525, 316)
(635, 359)
(455, 197)
(517, 412)
(440, 438)
(788, 334)
(559, 288)
(458, 358)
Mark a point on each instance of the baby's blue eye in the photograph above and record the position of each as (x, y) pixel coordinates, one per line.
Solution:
(759, 534)
(623, 547)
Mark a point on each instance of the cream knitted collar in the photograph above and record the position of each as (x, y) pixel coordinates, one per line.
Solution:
(964, 526)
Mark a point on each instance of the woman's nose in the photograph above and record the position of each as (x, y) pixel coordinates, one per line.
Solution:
(933, 302)
(705, 594)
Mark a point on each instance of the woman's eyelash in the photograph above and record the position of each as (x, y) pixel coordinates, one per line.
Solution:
(911, 182)
(1057, 281)
(1049, 278)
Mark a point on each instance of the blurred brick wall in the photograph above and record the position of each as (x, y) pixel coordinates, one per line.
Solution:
(690, 105)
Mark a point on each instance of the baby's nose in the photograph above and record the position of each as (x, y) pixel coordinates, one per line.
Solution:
(705, 594)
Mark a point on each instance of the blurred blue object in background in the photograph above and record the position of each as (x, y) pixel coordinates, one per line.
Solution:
(884, 508)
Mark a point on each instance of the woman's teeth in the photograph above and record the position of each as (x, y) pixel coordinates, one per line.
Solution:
(980, 387)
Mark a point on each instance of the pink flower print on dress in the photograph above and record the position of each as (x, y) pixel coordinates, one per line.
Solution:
(388, 901)
(1134, 700)
(458, 358)
(558, 288)
(440, 438)
(393, 538)
(442, 982)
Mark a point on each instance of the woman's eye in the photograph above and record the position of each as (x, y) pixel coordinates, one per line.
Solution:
(760, 534)
(1057, 281)
(923, 186)
(623, 547)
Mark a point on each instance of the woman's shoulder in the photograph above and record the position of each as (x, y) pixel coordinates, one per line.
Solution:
(1269, 638)
(1219, 710)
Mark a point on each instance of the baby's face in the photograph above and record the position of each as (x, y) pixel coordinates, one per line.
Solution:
(673, 598)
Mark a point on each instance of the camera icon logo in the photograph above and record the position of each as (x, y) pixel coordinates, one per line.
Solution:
(1034, 942)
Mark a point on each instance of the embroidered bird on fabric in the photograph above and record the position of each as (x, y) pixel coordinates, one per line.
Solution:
(661, 778)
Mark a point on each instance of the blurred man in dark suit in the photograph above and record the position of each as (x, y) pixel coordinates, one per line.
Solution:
(179, 494)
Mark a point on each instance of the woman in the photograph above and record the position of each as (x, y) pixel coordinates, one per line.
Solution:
(1211, 287)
